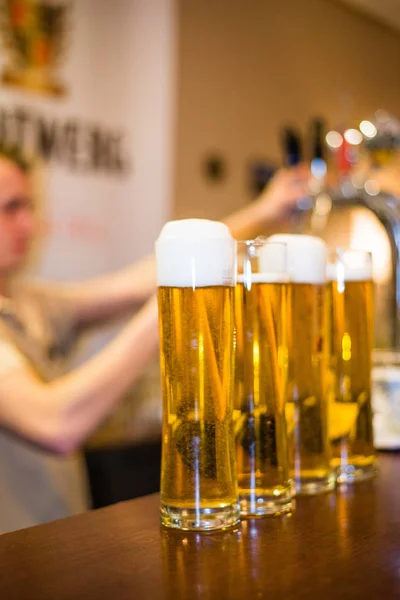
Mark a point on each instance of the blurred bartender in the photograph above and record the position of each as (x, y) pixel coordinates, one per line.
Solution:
(46, 411)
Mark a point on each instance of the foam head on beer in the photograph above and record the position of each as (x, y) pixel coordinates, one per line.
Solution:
(351, 265)
(306, 258)
(195, 253)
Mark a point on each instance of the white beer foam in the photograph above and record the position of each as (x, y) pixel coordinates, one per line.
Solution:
(263, 278)
(195, 253)
(306, 258)
(346, 273)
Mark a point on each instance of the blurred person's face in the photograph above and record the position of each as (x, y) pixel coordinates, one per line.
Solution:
(17, 223)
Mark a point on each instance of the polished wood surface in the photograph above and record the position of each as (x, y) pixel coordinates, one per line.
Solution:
(344, 545)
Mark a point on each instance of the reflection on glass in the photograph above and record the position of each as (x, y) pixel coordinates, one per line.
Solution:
(196, 271)
(260, 380)
(350, 412)
(190, 563)
(306, 406)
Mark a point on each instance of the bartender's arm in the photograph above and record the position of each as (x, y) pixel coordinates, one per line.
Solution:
(60, 415)
(112, 295)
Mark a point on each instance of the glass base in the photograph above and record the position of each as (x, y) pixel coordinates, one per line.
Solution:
(353, 474)
(202, 519)
(259, 504)
(309, 486)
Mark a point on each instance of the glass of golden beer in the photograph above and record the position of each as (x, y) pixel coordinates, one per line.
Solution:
(260, 381)
(196, 273)
(307, 326)
(350, 412)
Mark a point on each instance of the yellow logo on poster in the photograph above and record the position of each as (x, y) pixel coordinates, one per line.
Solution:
(34, 34)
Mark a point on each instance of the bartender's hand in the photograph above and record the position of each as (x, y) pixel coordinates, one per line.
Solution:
(278, 200)
(274, 204)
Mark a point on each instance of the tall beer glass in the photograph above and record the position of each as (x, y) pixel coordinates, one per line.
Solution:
(196, 271)
(306, 406)
(260, 427)
(350, 413)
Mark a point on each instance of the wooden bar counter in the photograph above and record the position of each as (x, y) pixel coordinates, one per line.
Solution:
(335, 546)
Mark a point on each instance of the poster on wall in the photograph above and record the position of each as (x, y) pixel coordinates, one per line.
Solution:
(78, 156)
(35, 37)
(74, 99)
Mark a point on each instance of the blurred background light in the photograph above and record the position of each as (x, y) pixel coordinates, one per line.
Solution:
(318, 168)
(372, 187)
(368, 129)
(334, 139)
(353, 137)
(382, 116)
(323, 204)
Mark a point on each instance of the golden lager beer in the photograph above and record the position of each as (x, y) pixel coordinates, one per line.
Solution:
(260, 427)
(196, 278)
(350, 413)
(306, 405)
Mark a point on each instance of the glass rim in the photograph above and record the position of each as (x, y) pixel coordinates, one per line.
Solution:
(252, 242)
(261, 241)
(339, 251)
(351, 264)
(249, 257)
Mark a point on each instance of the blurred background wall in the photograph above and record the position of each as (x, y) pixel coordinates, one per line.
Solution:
(247, 68)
